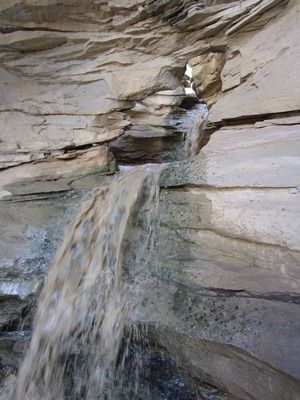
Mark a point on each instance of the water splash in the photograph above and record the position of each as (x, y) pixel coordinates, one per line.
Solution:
(195, 124)
(86, 301)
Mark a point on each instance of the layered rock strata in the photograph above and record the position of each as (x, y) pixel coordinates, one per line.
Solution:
(68, 83)
(74, 77)
(157, 129)
(233, 264)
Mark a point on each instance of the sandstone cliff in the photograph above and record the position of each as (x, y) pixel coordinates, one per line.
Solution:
(74, 77)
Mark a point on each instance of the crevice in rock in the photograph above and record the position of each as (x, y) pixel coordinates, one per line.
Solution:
(283, 297)
(19, 320)
(25, 29)
(252, 119)
(164, 139)
(20, 198)
(187, 187)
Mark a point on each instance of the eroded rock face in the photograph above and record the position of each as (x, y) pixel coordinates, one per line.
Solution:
(74, 77)
(262, 72)
(227, 296)
(67, 83)
(206, 75)
(157, 130)
(32, 230)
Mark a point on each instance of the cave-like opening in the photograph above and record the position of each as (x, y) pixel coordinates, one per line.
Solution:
(160, 123)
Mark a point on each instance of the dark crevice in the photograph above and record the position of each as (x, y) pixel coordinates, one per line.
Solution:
(130, 150)
(252, 119)
(189, 102)
(202, 186)
(67, 150)
(160, 374)
(41, 29)
(283, 297)
(62, 194)
(22, 322)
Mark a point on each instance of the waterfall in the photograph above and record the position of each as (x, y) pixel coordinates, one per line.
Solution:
(194, 125)
(86, 300)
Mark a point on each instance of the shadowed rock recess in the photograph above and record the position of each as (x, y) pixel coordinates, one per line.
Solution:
(88, 85)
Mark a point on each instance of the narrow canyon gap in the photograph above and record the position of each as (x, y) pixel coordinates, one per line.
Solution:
(225, 248)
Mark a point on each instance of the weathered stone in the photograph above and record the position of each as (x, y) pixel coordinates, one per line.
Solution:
(56, 175)
(32, 231)
(226, 339)
(11, 310)
(21, 289)
(249, 157)
(225, 247)
(157, 129)
(255, 69)
(8, 384)
(63, 75)
(197, 251)
(12, 349)
(206, 74)
(231, 73)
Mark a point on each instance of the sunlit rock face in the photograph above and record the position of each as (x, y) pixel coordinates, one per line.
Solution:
(262, 71)
(206, 75)
(69, 72)
(82, 81)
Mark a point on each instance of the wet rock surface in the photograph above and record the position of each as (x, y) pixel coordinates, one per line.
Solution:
(161, 378)
(226, 339)
(32, 230)
(157, 131)
(233, 265)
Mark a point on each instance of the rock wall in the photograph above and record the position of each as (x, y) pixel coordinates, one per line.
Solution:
(67, 82)
(74, 77)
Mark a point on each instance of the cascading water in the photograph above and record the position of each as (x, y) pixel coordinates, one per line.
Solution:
(195, 124)
(87, 300)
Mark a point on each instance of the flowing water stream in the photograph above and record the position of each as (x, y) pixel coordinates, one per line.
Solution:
(87, 299)
(195, 124)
